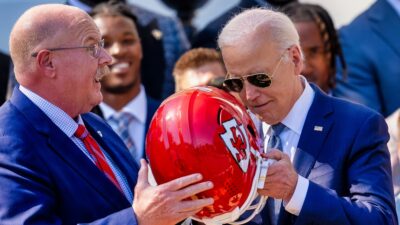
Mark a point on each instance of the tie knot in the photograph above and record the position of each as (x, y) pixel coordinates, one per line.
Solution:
(81, 132)
(277, 129)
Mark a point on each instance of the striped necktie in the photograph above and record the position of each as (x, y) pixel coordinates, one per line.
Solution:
(276, 143)
(274, 140)
(94, 150)
(120, 123)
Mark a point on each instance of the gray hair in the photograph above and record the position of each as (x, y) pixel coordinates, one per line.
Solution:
(275, 26)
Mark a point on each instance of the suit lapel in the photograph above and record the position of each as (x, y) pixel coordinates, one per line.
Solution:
(82, 165)
(385, 22)
(315, 130)
(67, 150)
(122, 159)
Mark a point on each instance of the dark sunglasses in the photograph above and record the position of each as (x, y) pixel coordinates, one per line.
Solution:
(261, 80)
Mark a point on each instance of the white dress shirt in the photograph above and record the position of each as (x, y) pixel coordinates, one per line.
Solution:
(290, 136)
(137, 107)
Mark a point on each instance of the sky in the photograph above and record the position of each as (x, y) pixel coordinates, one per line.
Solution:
(342, 11)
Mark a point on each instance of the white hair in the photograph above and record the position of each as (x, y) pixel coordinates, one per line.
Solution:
(264, 23)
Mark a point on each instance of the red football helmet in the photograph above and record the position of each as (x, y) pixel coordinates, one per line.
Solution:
(206, 130)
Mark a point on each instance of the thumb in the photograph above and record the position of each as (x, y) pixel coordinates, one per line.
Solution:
(143, 173)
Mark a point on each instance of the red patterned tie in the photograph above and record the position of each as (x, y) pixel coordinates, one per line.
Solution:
(95, 151)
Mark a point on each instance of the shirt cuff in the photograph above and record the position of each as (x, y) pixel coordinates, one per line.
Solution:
(296, 202)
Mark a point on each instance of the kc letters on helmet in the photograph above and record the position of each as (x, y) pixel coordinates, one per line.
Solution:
(206, 130)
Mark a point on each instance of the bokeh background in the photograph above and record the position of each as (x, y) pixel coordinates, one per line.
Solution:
(342, 11)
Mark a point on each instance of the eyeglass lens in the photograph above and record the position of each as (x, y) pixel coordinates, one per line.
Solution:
(258, 80)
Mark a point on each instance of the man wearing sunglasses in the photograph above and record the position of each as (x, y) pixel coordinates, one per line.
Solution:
(332, 163)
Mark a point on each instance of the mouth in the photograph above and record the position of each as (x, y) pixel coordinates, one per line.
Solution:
(261, 105)
(100, 73)
(120, 67)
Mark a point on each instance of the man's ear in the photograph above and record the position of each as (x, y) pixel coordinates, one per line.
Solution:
(296, 58)
(44, 61)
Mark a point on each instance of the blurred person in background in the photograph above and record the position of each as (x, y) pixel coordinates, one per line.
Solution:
(319, 43)
(199, 67)
(209, 35)
(126, 106)
(163, 42)
(371, 48)
(5, 68)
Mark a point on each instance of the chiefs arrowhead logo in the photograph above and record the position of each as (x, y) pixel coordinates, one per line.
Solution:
(237, 142)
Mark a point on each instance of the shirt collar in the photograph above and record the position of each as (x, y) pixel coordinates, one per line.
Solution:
(396, 5)
(60, 118)
(298, 114)
(137, 107)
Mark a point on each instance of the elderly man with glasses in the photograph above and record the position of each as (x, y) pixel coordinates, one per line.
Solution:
(332, 164)
(60, 164)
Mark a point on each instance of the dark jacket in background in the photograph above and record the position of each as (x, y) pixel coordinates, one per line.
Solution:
(5, 66)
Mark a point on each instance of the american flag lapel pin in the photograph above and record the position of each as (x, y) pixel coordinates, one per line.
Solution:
(318, 128)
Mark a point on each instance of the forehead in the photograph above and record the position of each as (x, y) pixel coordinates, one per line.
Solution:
(214, 68)
(242, 60)
(309, 34)
(116, 24)
(84, 30)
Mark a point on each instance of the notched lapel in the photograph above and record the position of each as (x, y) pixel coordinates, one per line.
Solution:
(83, 166)
(316, 128)
(67, 150)
(122, 159)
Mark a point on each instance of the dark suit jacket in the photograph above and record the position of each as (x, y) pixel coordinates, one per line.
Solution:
(153, 63)
(152, 106)
(207, 37)
(46, 179)
(347, 164)
(371, 48)
(5, 62)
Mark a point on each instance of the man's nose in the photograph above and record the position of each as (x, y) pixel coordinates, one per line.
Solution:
(250, 91)
(115, 49)
(307, 68)
(105, 58)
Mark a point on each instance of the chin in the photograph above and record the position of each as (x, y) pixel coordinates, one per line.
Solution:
(97, 99)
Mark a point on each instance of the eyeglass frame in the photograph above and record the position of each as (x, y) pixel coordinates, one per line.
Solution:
(245, 77)
(96, 54)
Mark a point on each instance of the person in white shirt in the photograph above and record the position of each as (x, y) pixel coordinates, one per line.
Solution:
(125, 106)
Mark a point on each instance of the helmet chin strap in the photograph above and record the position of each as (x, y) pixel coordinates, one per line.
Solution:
(258, 182)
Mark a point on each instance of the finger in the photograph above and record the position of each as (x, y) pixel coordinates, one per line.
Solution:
(182, 182)
(195, 205)
(194, 189)
(275, 154)
(263, 155)
(143, 173)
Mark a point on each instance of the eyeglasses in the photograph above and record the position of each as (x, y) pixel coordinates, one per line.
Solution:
(94, 50)
(262, 80)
